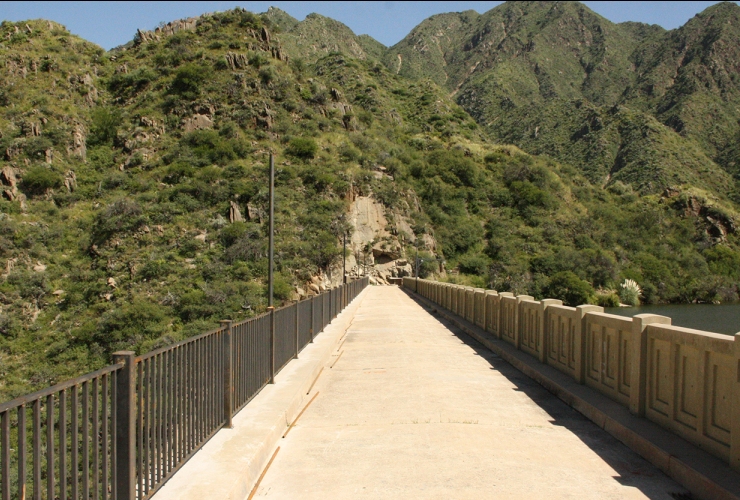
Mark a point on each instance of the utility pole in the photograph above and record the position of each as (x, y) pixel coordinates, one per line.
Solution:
(272, 231)
(344, 255)
(271, 252)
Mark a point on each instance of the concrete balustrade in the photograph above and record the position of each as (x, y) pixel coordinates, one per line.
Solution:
(692, 385)
(687, 381)
(480, 307)
(607, 355)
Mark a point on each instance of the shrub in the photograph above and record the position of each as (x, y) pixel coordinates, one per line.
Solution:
(607, 299)
(473, 264)
(38, 179)
(629, 292)
(302, 147)
(569, 288)
(104, 126)
(122, 216)
(188, 80)
(723, 261)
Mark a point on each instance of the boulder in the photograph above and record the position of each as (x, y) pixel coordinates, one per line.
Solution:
(197, 122)
(234, 214)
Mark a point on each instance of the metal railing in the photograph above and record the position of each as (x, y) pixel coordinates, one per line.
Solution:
(119, 433)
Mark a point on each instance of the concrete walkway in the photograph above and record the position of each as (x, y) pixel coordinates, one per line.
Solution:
(412, 410)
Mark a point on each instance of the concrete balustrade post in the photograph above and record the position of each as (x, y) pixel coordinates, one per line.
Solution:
(517, 329)
(735, 430)
(639, 355)
(479, 313)
(580, 340)
(499, 313)
(489, 300)
(543, 327)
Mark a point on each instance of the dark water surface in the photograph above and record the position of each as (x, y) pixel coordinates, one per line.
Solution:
(722, 318)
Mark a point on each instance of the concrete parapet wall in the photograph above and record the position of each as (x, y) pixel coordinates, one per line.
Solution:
(608, 359)
(687, 381)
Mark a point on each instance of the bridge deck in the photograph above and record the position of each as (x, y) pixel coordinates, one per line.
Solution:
(413, 410)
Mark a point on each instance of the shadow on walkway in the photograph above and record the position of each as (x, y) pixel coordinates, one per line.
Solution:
(597, 439)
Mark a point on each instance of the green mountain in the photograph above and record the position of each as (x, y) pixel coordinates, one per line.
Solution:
(556, 78)
(134, 182)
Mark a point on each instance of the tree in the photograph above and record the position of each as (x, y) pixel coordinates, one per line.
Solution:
(569, 288)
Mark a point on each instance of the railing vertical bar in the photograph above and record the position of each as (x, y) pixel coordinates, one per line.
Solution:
(104, 422)
(5, 446)
(163, 449)
(203, 418)
(175, 405)
(198, 393)
(75, 458)
(140, 464)
(198, 406)
(164, 414)
(96, 439)
(170, 413)
(62, 445)
(157, 419)
(207, 378)
(161, 414)
(178, 404)
(22, 451)
(114, 434)
(147, 448)
(86, 440)
(50, 446)
(162, 457)
(36, 442)
(188, 398)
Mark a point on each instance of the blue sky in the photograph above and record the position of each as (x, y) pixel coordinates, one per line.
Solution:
(114, 23)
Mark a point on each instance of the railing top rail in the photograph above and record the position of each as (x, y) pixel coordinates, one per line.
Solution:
(28, 398)
(596, 316)
(557, 308)
(166, 348)
(529, 303)
(681, 333)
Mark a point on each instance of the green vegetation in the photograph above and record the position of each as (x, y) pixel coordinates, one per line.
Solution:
(127, 166)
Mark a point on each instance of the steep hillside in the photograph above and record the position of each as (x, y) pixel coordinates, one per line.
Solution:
(317, 35)
(555, 78)
(135, 189)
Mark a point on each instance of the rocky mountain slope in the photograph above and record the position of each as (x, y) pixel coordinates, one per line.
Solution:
(135, 183)
(623, 102)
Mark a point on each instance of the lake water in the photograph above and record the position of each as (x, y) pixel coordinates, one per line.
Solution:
(722, 318)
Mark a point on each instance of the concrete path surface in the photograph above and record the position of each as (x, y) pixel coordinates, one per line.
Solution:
(411, 409)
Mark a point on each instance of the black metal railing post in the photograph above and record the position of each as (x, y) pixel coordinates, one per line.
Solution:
(313, 306)
(125, 426)
(228, 371)
(272, 344)
(296, 329)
